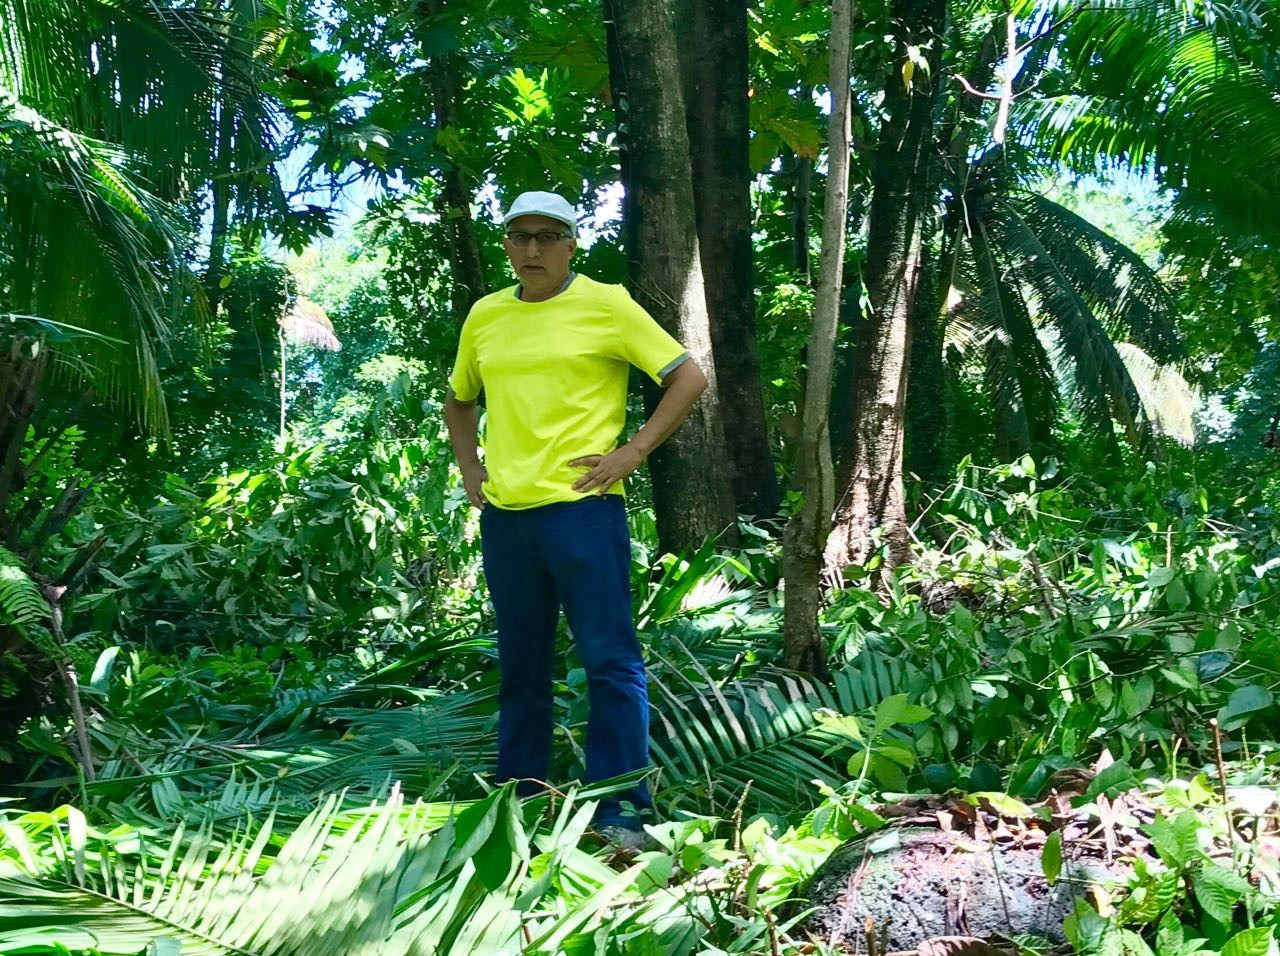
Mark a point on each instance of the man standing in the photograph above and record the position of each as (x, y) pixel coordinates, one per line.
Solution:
(552, 355)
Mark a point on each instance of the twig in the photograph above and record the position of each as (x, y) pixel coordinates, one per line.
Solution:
(969, 88)
(873, 944)
(774, 948)
(67, 671)
(1222, 781)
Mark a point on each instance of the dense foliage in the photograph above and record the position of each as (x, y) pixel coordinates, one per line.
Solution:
(248, 681)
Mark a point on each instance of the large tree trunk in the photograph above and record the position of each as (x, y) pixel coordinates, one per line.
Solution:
(927, 412)
(21, 375)
(809, 527)
(873, 497)
(713, 58)
(454, 200)
(692, 491)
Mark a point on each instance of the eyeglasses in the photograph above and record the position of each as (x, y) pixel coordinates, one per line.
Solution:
(543, 239)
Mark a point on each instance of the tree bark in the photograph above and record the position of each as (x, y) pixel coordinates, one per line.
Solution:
(926, 413)
(692, 490)
(21, 375)
(713, 59)
(801, 206)
(809, 527)
(454, 200)
(220, 197)
(873, 497)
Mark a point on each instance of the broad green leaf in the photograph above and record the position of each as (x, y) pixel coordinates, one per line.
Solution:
(1051, 857)
(1002, 803)
(1250, 942)
(888, 774)
(102, 669)
(895, 710)
(1214, 898)
(1177, 840)
(1113, 780)
(985, 777)
(1244, 702)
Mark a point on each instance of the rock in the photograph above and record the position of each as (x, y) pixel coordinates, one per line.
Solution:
(928, 883)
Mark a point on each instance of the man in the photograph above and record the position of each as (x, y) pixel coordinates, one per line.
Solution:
(552, 355)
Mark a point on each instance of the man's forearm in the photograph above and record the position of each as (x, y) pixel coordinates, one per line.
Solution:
(681, 390)
(463, 423)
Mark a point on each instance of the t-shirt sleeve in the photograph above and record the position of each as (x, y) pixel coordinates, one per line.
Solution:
(642, 341)
(465, 378)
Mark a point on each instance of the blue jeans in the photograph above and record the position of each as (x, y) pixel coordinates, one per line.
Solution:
(575, 555)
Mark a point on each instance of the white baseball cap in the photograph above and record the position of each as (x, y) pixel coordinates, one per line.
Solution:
(551, 205)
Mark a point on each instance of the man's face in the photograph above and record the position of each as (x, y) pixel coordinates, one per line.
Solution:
(540, 249)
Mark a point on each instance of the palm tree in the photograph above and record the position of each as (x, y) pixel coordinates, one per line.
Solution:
(1045, 299)
(116, 111)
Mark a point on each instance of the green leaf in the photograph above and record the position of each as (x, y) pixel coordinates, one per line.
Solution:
(1176, 594)
(940, 776)
(102, 669)
(985, 777)
(1177, 840)
(1002, 803)
(1250, 942)
(1051, 857)
(888, 774)
(1214, 898)
(1244, 702)
(1114, 780)
(224, 282)
(895, 710)
(1135, 697)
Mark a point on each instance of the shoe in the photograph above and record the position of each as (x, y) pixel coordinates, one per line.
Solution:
(626, 839)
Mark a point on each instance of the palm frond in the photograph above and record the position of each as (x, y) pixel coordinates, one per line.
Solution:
(385, 880)
(770, 733)
(154, 78)
(312, 746)
(1186, 92)
(1017, 367)
(1169, 400)
(89, 251)
(307, 324)
(1101, 386)
(1119, 286)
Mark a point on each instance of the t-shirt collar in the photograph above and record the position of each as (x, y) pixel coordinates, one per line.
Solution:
(568, 279)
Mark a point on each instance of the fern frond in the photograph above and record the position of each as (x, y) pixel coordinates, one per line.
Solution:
(22, 605)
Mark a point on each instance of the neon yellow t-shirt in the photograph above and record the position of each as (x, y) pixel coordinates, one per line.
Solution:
(554, 374)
